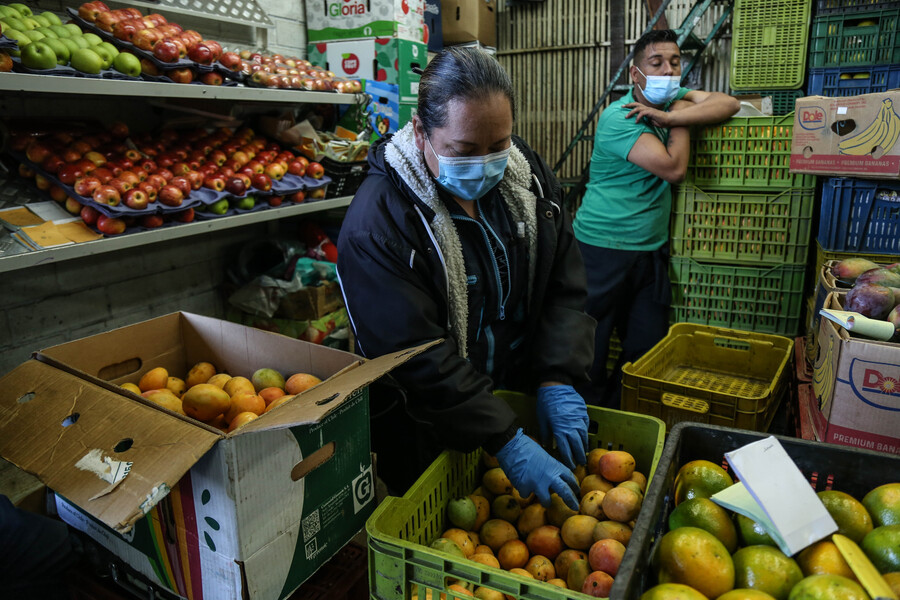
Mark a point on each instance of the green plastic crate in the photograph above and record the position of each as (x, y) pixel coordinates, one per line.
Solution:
(711, 375)
(782, 100)
(752, 153)
(760, 299)
(857, 39)
(769, 44)
(746, 228)
(402, 565)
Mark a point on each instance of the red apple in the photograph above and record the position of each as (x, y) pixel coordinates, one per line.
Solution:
(217, 157)
(262, 182)
(275, 200)
(182, 75)
(201, 53)
(103, 174)
(57, 193)
(231, 60)
(120, 185)
(207, 169)
(297, 197)
(151, 221)
(110, 225)
(130, 177)
(165, 174)
(256, 166)
(119, 130)
(41, 182)
(89, 214)
(275, 171)
(185, 216)
(136, 199)
(72, 205)
(89, 11)
(166, 50)
(156, 180)
(235, 186)
(95, 157)
(315, 170)
(181, 168)
(148, 189)
(69, 173)
(107, 194)
(36, 152)
(297, 167)
(182, 183)
(317, 193)
(86, 186)
(170, 195)
(148, 165)
(214, 182)
(196, 178)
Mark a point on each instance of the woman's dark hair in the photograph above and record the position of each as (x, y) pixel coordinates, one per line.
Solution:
(460, 74)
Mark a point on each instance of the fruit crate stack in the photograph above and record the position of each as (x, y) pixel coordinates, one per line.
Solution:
(741, 226)
(854, 48)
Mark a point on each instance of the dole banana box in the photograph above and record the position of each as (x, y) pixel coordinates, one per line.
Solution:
(857, 387)
(854, 136)
(328, 20)
(250, 514)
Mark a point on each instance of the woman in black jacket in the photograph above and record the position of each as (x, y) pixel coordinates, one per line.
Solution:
(458, 233)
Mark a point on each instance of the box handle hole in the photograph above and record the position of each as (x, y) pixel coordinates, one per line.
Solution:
(330, 398)
(312, 462)
(25, 398)
(126, 367)
(123, 445)
(70, 420)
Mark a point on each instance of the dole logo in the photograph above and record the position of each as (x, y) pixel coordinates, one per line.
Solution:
(346, 8)
(349, 63)
(812, 118)
(876, 384)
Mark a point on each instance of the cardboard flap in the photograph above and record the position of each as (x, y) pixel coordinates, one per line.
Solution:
(314, 404)
(110, 455)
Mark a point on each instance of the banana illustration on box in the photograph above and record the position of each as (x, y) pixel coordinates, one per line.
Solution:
(881, 132)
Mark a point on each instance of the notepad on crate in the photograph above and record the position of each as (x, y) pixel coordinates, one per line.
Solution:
(773, 492)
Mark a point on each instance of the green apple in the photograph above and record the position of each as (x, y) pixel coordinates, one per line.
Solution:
(74, 28)
(70, 44)
(16, 23)
(38, 55)
(52, 17)
(86, 61)
(127, 63)
(61, 31)
(105, 54)
(22, 39)
(23, 10)
(34, 35)
(92, 38)
(112, 49)
(30, 20)
(61, 50)
(6, 11)
(41, 20)
(220, 207)
(246, 203)
(48, 33)
(82, 43)
(4, 26)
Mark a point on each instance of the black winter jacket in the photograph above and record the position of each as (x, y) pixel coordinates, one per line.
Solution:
(400, 282)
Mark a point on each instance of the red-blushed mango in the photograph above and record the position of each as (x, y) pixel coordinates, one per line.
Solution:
(617, 466)
(154, 379)
(565, 559)
(300, 382)
(597, 584)
(496, 532)
(606, 555)
(513, 554)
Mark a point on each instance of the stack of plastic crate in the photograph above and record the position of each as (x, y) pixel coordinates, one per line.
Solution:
(854, 47)
(741, 227)
(768, 50)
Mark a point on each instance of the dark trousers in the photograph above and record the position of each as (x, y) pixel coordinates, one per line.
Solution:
(628, 292)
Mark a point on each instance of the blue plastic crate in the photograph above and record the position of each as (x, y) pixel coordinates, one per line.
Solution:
(860, 215)
(828, 82)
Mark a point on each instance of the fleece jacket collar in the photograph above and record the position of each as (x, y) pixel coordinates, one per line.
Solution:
(407, 160)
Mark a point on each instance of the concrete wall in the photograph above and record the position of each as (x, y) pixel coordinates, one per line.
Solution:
(55, 303)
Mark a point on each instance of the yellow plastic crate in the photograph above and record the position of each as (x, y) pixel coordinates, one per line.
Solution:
(710, 375)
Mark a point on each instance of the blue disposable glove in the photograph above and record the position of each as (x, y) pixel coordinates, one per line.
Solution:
(530, 469)
(561, 409)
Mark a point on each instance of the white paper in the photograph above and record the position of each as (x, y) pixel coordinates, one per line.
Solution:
(48, 211)
(842, 110)
(859, 324)
(796, 516)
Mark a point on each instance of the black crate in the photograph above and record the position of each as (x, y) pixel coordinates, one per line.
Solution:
(346, 177)
(827, 466)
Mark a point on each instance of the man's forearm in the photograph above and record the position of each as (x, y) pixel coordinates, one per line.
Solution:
(715, 108)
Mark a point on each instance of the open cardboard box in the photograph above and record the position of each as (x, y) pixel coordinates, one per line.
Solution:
(249, 514)
(856, 386)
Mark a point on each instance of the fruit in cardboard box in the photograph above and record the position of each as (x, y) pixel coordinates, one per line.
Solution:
(205, 402)
(870, 300)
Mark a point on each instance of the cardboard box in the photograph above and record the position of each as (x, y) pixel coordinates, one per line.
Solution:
(328, 20)
(434, 30)
(469, 21)
(386, 113)
(383, 59)
(311, 302)
(847, 136)
(856, 387)
(250, 514)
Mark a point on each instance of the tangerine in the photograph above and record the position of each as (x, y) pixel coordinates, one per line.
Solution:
(672, 591)
(824, 558)
(827, 587)
(883, 504)
(705, 514)
(766, 569)
(700, 478)
(882, 546)
(852, 518)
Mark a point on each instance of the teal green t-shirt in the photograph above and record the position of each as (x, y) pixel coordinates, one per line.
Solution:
(625, 206)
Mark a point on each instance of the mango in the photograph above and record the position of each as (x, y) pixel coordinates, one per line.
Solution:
(462, 512)
(870, 300)
(848, 269)
(205, 402)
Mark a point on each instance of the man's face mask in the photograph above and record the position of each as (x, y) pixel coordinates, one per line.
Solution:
(470, 177)
(660, 89)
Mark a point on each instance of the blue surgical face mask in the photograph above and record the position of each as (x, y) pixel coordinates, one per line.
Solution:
(660, 89)
(470, 177)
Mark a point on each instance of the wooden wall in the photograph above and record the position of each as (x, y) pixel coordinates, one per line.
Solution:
(558, 52)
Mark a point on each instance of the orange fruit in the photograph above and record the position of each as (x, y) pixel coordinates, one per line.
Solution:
(245, 403)
(827, 587)
(672, 591)
(745, 594)
(752, 533)
(893, 581)
(239, 385)
(882, 546)
(852, 518)
(276, 403)
(270, 394)
(513, 554)
(241, 419)
(824, 558)
(694, 557)
(300, 382)
(766, 569)
(700, 478)
(154, 379)
(199, 373)
(132, 387)
(705, 514)
(205, 402)
(883, 503)
(218, 422)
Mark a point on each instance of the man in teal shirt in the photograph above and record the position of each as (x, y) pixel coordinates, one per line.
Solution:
(641, 146)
